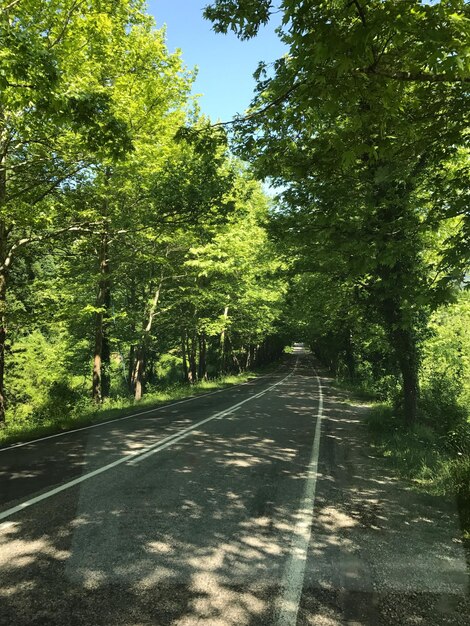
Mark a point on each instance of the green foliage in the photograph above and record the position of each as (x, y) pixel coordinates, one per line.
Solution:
(85, 412)
(350, 124)
(435, 453)
(126, 226)
(36, 372)
(446, 362)
(169, 369)
(435, 463)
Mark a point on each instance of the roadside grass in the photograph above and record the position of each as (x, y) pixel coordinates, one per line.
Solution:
(435, 463)
(85, 412)
(359, 392)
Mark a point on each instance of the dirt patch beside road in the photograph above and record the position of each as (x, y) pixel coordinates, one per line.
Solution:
(380, 553)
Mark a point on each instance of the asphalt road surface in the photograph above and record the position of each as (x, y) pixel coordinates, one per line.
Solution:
(259, 504)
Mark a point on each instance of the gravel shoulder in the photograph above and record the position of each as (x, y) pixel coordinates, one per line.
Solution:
(380, 553)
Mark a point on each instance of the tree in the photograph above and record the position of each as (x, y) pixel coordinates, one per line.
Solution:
(351, 122)
(55, 111)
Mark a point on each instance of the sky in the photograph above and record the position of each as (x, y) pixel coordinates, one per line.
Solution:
(225, 64)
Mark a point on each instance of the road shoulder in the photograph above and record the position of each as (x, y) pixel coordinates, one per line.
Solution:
(381, 553)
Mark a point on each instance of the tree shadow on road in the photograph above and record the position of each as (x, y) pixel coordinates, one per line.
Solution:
(200, 533)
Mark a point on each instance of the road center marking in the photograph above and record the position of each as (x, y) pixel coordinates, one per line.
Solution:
(293, 577)
(169, 441)
(132, 458)
(130, 416)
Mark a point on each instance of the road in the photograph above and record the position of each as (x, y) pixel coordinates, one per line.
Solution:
(260, 504)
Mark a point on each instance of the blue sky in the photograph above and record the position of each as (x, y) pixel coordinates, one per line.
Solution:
(226, 65)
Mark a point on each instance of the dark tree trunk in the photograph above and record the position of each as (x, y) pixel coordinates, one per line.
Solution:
(3, 284)
(202, 366)
(100, 386)
(407, 357)
(350, 357)
(192, 359)
(106, 355)
(236, 363)
(222, 357)
(131, 297)
(130, 369)
(184, 359)
(3, 334)
(403, 340)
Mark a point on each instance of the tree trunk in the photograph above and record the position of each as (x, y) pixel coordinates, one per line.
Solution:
(192, 359)
(131, 297)
(222, 365)
(130, 369)
(3, 286)
(235, 360)
(350, 357)
(138, 376)
(3, 291)
(100, 386)
(248, 357)
(139, 373)
(407, 357)
(183, 356)
(202, 367)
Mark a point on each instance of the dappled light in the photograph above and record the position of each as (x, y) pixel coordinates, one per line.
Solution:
(234, 353)
(204, 528)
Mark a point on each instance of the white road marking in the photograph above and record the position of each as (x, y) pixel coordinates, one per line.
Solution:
(293, 578)
(161, 445)
(165, 443)
(126, 417)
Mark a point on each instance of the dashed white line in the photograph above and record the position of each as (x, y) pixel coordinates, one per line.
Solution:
(169, 441)
(157, 447)
(127, 417)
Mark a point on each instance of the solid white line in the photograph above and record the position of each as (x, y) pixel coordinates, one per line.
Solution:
(293, 578)
(126, 417)
(161, 445)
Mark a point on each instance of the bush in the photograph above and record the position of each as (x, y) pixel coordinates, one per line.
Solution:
(61, 399)
(454, 476)
(169, 369)
(445, 371)
(458, 440)
(439, 404)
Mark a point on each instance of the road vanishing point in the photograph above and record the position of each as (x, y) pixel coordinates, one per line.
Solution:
(260, 504)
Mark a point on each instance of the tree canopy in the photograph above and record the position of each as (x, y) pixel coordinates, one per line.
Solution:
(364, 123)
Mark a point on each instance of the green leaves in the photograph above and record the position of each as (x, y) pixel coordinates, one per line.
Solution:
(370, 105)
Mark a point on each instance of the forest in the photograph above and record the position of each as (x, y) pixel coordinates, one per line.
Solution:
(139, 251)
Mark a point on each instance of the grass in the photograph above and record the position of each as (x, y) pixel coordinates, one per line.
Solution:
(360, 393)
(434, 462)
(85, 412)
(431, 461)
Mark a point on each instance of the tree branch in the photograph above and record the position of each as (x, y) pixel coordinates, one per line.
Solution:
(37, 238)
(271, 104)
(68, 17)
(11, 5)
(418, 76)
(360, 11)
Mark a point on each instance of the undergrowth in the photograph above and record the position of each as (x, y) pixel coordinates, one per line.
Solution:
(436, 462)
(82, 411)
